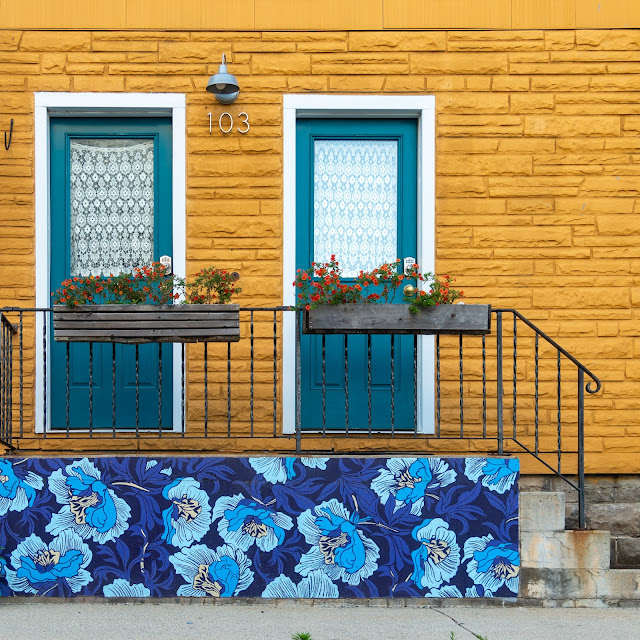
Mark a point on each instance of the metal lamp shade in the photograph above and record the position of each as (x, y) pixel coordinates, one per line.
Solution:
(223, 85)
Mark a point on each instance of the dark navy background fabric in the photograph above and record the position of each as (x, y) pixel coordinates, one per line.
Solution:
(267, 526)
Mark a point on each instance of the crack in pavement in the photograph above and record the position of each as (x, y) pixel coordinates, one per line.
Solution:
(460, 624)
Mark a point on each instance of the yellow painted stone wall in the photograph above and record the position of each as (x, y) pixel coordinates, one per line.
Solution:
(538, 163)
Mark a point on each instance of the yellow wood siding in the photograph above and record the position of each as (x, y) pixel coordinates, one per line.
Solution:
(607, 14)
(190, 14)
(63, 14)
(319, 15)
(543, 14)
(444, 14)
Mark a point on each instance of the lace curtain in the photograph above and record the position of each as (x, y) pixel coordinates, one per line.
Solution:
(112, 208)
(355, 199)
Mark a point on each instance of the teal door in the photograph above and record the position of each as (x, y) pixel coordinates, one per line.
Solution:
(110, 212)
(356, 197)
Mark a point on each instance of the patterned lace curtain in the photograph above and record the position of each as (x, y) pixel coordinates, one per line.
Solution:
(355, 200)
(112, 208)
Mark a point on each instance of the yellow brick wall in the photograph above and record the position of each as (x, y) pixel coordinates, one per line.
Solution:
(537, 162)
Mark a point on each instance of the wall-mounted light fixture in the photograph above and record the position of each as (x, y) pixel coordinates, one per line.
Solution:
(223, 85)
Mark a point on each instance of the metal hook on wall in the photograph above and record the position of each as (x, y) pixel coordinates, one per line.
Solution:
(8, 144)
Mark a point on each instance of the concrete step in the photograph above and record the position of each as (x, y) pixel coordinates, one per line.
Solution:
(580, 584)
(563, 567)
(541, 511)
(566, 549)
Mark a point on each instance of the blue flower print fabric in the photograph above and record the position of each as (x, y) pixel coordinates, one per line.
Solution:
(272, 527)
(16, 492)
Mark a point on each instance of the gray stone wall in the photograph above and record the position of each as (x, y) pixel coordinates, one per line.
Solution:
(612, 504)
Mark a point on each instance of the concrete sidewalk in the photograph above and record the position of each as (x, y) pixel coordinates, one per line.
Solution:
(332, 621)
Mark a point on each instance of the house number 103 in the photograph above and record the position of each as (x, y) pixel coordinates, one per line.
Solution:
(225, 122)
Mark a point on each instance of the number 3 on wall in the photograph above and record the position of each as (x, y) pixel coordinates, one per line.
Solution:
(227, 115)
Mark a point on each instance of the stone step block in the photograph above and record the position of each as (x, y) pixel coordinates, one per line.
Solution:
(625, 552)
(566, 550)
(541, 511)
(622, 519)
(580, 584)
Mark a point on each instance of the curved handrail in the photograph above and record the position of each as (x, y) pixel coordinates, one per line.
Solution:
(8, 323)
(553, 343)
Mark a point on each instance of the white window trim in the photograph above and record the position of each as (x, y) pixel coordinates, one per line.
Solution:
(420, 107)
(47, 105)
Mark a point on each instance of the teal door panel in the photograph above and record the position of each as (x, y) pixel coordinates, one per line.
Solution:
(73, 253)
(356, 197)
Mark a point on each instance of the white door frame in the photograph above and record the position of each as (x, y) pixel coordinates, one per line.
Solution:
(420, 107)
(47, 105)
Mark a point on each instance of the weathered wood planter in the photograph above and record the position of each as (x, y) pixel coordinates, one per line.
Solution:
(140, 323)
(471, 319)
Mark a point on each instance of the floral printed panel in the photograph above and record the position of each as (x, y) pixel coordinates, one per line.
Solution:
(268, 527)
(355, 203)
(112, 208)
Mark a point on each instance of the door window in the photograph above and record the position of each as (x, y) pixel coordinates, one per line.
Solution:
(355, 202)
(111, 205)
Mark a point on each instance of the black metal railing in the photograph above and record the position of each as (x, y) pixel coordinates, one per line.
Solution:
(7, 333)
(511, 390)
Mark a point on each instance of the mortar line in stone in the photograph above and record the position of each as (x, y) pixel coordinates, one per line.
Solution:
(460, 624)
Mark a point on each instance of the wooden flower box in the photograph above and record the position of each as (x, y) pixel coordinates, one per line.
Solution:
(468, 319)
(141, 323)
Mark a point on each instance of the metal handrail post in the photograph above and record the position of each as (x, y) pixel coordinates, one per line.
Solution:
(581, 503)
(500, 383)
(298, 315)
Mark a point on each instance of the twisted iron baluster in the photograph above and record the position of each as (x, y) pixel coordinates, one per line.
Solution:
(393, 390)
(346, 383)
(91, 390)
(182, 390)
(484, 387)
(515, 375)
(559, 417)
(159, 390)
(461, 387)
(44, 373)
(113, 388)
(275, 372)
(438, 386)
(137, 392)
(537, 394)
(324, 386)
(21, 381)
(10, 389)
(415, 385)
(67, 394)
(206, 390)
(3, 379)
(499, 384)
(228, 389)
(369, 381)
(251, 378)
